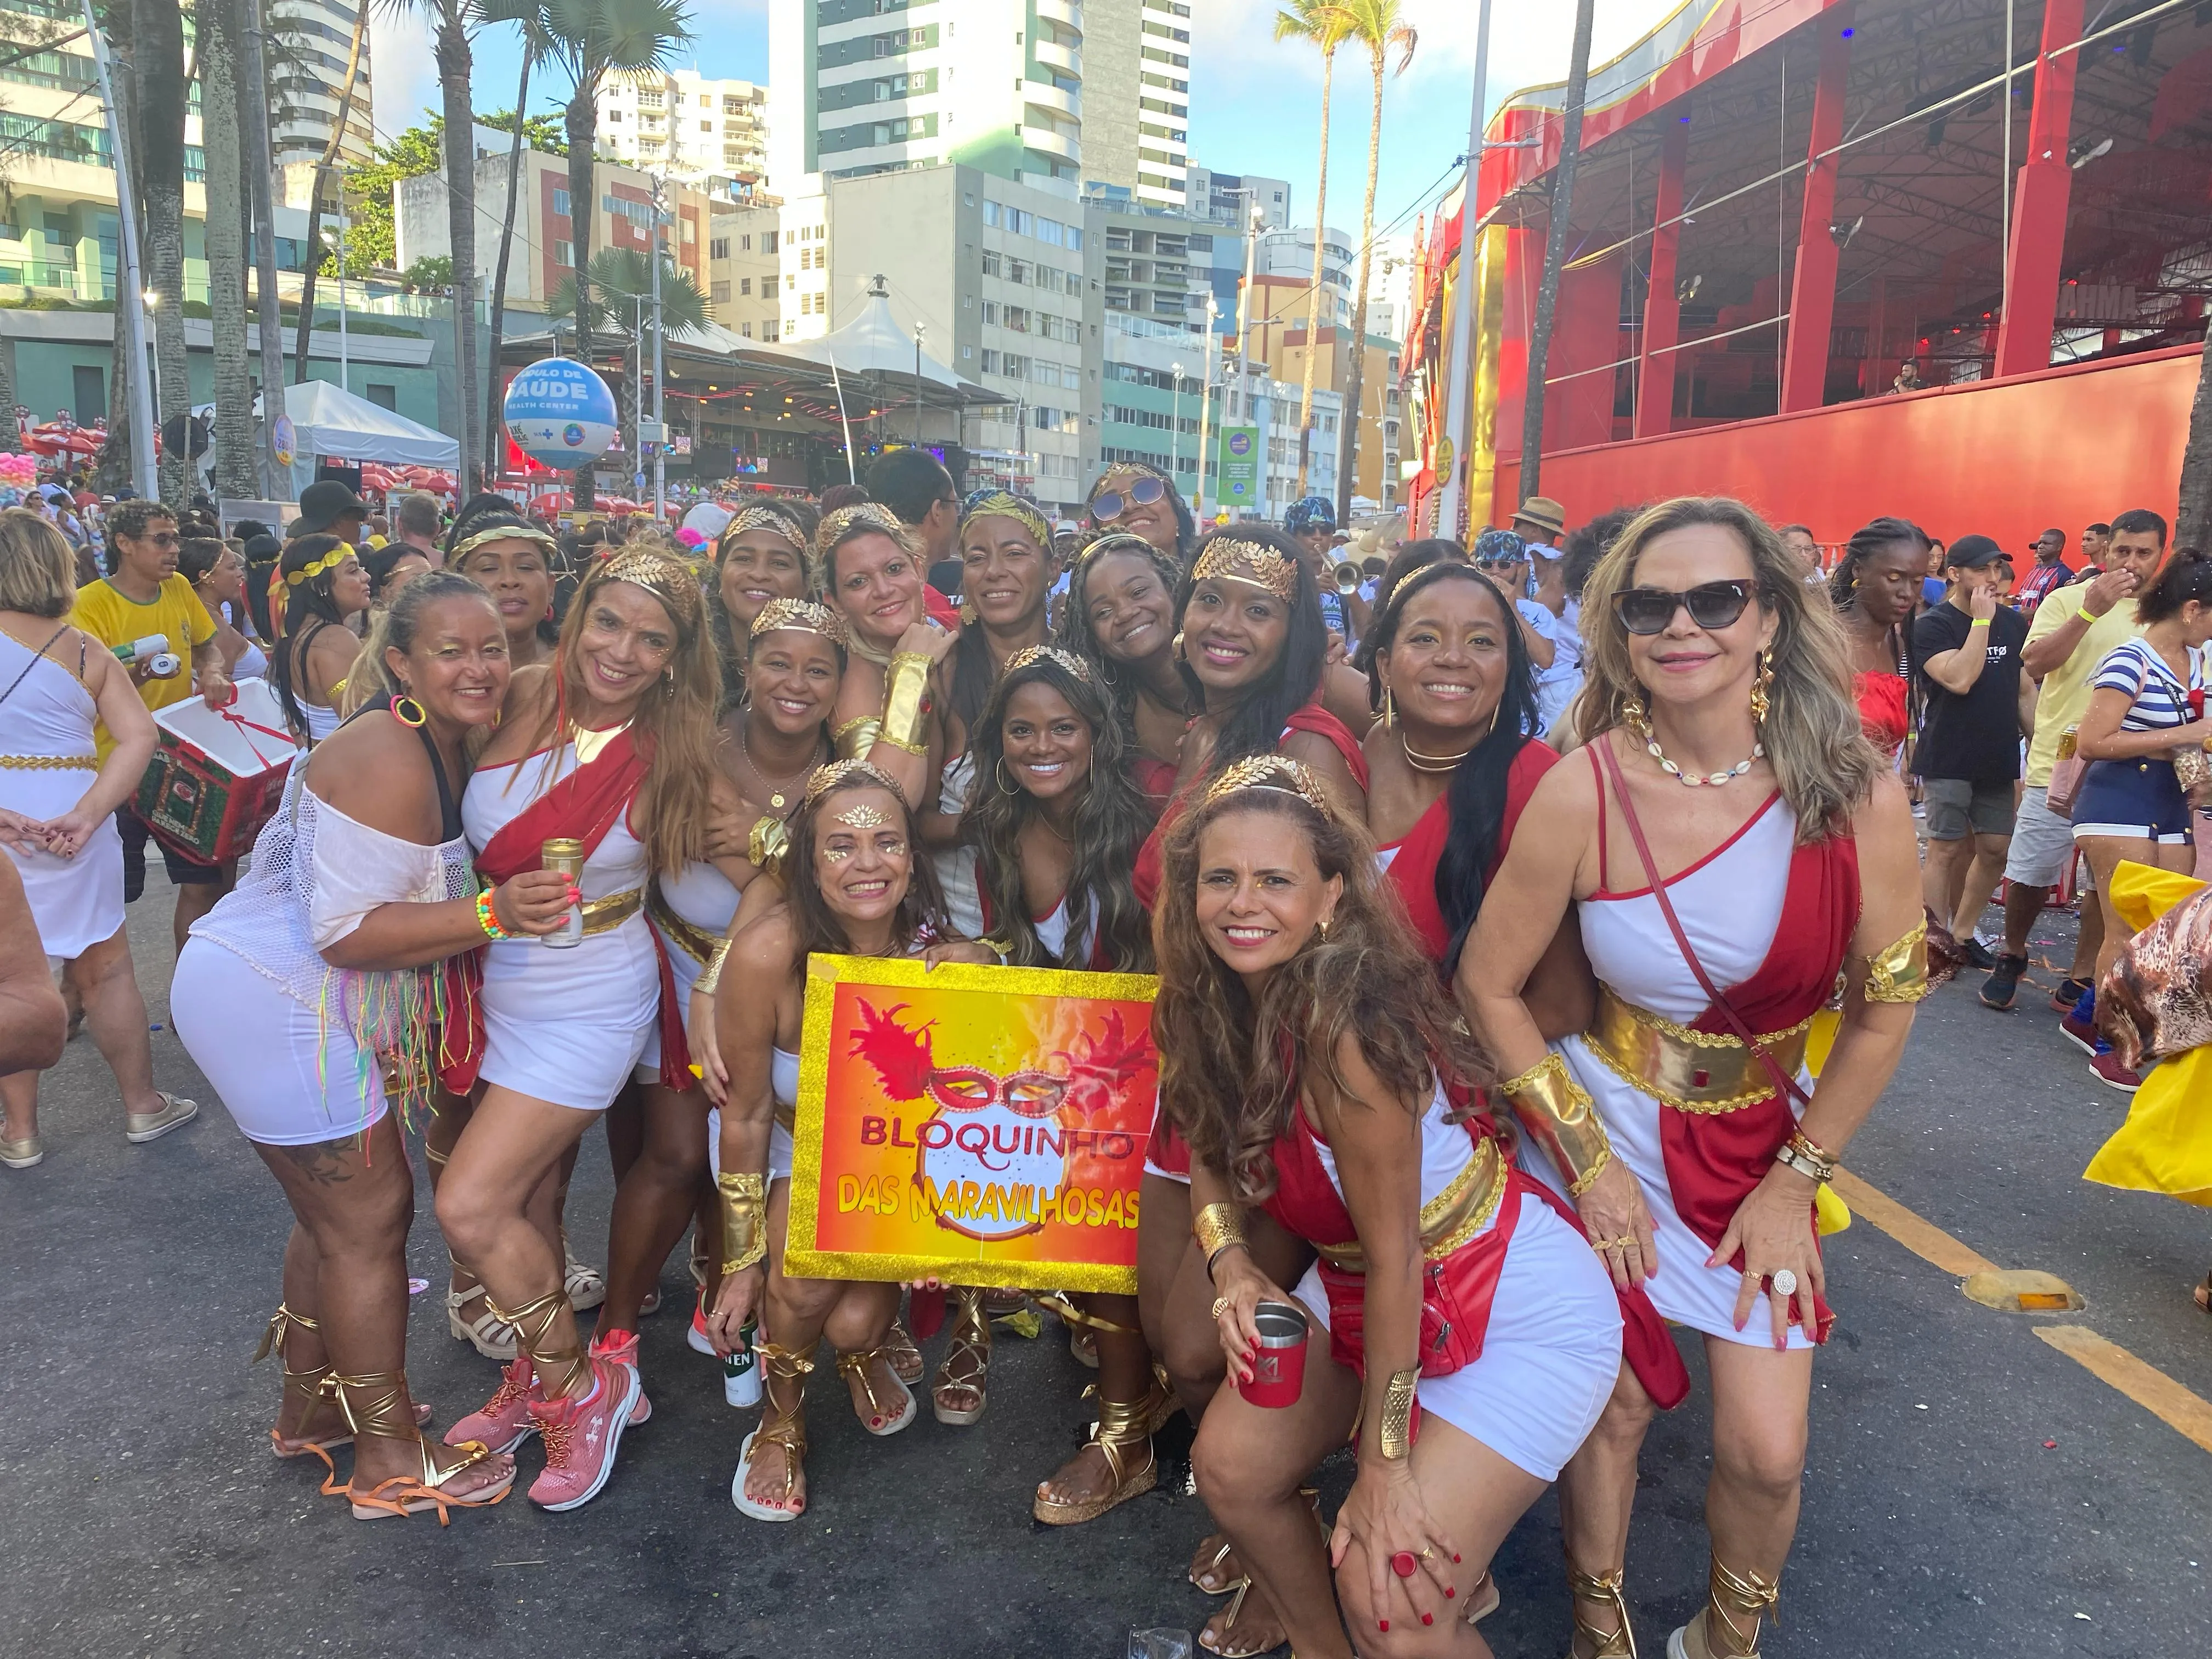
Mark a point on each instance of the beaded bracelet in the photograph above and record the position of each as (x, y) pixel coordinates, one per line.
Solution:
(486, 919)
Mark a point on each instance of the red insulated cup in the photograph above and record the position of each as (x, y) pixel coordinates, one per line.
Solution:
(2196, 704)
(1278, 1370)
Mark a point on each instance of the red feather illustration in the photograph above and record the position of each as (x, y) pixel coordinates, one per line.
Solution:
(901, 1058)
(1105, 1066)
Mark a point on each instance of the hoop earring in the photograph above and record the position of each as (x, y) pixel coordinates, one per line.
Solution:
(999, 772)
(1761, 704)
(408, 711)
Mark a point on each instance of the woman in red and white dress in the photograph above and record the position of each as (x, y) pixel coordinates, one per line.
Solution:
(1678, 1121)
(1319, 1071)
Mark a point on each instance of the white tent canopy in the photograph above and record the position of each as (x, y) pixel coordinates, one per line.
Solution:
(873, 343)
(328, 421)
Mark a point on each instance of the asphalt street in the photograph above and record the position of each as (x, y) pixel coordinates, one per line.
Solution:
(1971, 1491)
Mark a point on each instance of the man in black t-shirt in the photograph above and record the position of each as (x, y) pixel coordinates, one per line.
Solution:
(1966, 654)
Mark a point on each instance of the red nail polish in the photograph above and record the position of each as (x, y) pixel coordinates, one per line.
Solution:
(1454, 1561)
(1428, 1619)
(1448, 1591)
(1382, 1624)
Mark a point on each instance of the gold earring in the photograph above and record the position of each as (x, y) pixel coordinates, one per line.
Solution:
(1321, 926)
(1761, 703)
(1389, 708)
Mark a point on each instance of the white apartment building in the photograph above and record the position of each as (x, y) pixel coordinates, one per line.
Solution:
(685, 126)
(1228, 197)
(316, 36)
(1290, 254)
(745, 268)
(1136, 95)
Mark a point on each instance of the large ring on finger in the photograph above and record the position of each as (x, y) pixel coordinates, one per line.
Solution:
(1220, 1306)
(1785, 1283)
(1405, 1563)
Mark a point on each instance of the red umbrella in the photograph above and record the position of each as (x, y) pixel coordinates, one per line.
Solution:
(55, 438)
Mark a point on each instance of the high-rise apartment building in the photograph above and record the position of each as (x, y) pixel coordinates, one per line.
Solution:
(1136, 95)
(1229, 197)
(309, 42)
(709, 134)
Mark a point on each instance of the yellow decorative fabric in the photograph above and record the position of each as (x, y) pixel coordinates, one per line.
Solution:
(2166, 1145)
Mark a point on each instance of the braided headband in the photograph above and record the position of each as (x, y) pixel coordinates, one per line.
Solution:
(1036, 654)
(1226, 559)
(667, 578)
(760, 518)
(1277, 772)
(804, 614)
(500, 532)
(839, 775)
(330, 560)
(1115, 541)
(1001, 504)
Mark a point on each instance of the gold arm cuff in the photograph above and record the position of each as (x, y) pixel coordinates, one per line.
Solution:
(1393, 1441)
(1900, 973)
(710, 978)
(856, 736)
(767, 842)
(906, 703)
(1557, 1113)
(744, 1219)
(1216, 1228)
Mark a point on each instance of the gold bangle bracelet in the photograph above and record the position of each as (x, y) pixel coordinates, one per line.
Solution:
(1559, 1117)
(1393, 1441)
(711, 980)
(906, 703)
(744, 1217)
(1217, 1227)
(856, 736)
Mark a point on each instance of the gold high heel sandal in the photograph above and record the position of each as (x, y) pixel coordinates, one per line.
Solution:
(1123, 1427)
(375, 1405)
(856, 1364)
(967, 1362)
(783, 1426)
(1729, 1598)
(1240, 1587)
(1604, 1589)
(907, 1363)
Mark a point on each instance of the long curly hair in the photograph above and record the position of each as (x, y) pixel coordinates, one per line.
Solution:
(678, 716)
(1077, 635)
(1477, 790)
(1822, 761)
(1256, 726)
(921, 914)
(1231, 1068)
(310, 606)
(1111, 822)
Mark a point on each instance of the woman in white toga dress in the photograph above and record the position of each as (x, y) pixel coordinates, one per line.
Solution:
(58, 818)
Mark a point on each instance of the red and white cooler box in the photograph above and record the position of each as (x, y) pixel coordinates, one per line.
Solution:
(217, 774)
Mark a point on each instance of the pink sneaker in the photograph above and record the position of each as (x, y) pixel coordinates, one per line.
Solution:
(581, 1435)
(621, 1346)
(502, 1422)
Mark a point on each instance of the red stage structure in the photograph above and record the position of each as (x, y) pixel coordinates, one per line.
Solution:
(1785, 206)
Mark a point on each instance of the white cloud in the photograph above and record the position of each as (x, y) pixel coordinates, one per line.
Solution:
(405, 74)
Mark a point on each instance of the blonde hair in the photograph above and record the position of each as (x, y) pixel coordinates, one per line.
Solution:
(38, 572)
(1822, 761)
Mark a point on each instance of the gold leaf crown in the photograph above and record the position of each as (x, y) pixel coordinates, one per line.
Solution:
(844, 773)
(801, 614)
(760, 518)
(330, 560)
(1035, 653)
(667, 578)
(1277, 772)
(1001, 504)
(503, 531)
(1256, 565)
(873, 515)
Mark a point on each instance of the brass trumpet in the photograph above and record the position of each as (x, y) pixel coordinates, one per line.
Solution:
(1347, 578)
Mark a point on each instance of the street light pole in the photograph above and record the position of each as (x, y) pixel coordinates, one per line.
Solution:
(1174, 426)
(919, 328)
(1204, 406)
(659, 396)
(130, 275)
(153, 298)
(1461, 370)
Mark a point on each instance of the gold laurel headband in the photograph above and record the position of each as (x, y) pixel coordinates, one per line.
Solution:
(1276, 772)
(500, 532)
(801, 614)
(873, 515)
(1001, 504)
(1035, 653)
(844, 773)
(759, 517)
(1115, 541)
(330, 560)
(667, 578)
(1226, 559)
(1125, 470)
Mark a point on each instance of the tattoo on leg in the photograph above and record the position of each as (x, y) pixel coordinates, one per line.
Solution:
(325, 1163)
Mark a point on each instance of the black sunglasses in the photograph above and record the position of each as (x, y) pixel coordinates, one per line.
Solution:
(1110, 506)
(1500, 562)
(1711, 605)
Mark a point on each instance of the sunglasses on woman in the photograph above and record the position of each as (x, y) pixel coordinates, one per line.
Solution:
(1113, 503)
(1711, 605)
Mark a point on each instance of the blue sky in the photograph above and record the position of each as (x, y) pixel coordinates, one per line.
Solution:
(1255, 104)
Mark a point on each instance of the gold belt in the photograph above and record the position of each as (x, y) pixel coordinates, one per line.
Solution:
(1448, 1220)
(50, 762)
(695, 943)
(603, 915)
(1691, 1071)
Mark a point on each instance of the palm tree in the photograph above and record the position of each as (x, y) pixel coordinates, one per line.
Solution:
(157, 28)
(621, 279)
(313, 253)
(221, 50)
(1375, 25)
(1318, 24)
(529, 17)
(592, 40)
(1555, 253)
(455, 59)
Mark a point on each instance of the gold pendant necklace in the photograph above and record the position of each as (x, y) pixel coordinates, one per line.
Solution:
(776, 789)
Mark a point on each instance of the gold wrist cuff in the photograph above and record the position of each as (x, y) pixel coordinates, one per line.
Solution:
(711, 980)
(906, 703)
(1557, 1113)
(767, 842)
(855, 738)
(1394, 1442)
(1900, 973)
(744, 1219)
(1217, 1227)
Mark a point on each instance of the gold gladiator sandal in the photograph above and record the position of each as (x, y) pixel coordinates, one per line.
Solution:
(533, 1323)
(907, 1363)
(1122, 1434)
(967, 1362)
(315, 1388)
(1728, 1626)
(782, 1426)
(882, 1418)
(375, 1404)
(1604, 1591)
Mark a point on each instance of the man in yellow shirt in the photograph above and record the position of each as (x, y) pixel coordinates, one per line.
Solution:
(2074, 630)
(143, 596)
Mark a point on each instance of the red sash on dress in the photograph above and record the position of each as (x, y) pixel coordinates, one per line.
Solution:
(1165, 1150)
(582, 806)
(1413, 871)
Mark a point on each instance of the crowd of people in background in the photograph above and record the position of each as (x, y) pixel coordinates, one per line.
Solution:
(1500, 894)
